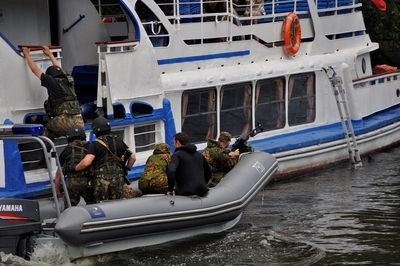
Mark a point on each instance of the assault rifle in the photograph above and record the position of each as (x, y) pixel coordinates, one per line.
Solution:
(125, 158)
(241, 142)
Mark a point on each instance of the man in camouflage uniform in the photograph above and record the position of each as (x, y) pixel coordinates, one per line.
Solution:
(220, 159)
(110, 158)
(62, 106)
(154, 179)
(78, 183)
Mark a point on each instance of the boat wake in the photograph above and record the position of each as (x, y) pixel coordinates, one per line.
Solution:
(45, 254)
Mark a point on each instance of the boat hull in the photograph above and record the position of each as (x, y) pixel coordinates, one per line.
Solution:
(320, 156)
(139, 240)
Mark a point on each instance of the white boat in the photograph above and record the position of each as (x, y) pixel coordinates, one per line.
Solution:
(156, 67)
(159, 67)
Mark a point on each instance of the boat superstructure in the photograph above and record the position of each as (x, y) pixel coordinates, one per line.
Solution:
(156, 67)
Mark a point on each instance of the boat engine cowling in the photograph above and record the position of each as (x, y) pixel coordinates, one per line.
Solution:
(19, 221)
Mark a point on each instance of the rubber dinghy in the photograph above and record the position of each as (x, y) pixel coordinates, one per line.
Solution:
(153, 219)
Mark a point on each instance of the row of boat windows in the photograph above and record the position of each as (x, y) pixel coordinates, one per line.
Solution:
(275, 103)
(237, 108)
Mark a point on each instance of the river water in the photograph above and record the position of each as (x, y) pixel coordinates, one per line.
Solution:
(337, 216)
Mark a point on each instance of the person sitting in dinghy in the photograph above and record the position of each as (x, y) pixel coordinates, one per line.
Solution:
(188, 172)
(109, 156)
(220, 159)
(62, 106)
(154, 179)
(78, 183)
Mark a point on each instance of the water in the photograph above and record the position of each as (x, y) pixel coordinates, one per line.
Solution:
(338, 216)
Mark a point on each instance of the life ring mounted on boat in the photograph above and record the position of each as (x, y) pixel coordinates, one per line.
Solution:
(291, 33)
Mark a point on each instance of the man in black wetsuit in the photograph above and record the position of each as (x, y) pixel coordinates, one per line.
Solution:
(188, 171)
(62, 106)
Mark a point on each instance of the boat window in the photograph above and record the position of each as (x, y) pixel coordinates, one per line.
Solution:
(167, 6)
(113, 17)
(270, 103)
(146, 136)
(120, 132)
(109, 9)
(31, 152)
(199, 115)
(301, 99)
(154, 28)
(235, 111)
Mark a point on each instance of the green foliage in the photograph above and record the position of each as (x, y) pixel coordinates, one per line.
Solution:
(384, 28)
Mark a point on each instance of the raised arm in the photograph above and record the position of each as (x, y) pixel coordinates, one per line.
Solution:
(49, 54)
(32, 65)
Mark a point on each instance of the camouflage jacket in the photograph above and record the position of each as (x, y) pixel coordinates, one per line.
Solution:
(218, 158)
(154, 177)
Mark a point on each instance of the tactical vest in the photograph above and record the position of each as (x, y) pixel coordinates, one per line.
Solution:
(65, 105)
(76, 155)
(110, 167)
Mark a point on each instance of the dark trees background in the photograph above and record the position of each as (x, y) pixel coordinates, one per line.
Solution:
(384, 28)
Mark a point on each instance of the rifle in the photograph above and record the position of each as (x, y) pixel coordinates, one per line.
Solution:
(241, 142)
(125, 158)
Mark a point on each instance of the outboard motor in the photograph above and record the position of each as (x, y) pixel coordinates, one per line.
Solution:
(19, 221)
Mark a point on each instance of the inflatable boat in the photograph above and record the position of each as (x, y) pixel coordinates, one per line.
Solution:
(128, 223)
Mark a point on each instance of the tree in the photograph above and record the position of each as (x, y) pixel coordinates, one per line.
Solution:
(384, 28)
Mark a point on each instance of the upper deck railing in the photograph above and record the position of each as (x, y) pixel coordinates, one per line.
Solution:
(184, 10)
(234, 13)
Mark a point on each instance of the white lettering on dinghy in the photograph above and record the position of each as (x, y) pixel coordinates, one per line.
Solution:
(259, 167)
(11, 208)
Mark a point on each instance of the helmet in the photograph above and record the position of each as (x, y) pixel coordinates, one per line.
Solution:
(225, 136)
(100, 125)
(76, 132)
(55, 71)
(88, 111)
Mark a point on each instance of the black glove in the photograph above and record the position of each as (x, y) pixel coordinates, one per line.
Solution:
(70, 169)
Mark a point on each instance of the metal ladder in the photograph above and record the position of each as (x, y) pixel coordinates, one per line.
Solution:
(347, 126)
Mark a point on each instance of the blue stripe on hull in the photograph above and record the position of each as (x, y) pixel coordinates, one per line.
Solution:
(202, 57)
(325, 134)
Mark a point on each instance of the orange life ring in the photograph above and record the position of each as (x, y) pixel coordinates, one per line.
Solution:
(291, 33)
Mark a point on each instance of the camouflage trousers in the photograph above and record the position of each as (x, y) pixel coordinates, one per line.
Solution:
(59, 125)
(78, 187)
(216, 178)
(129, 192)
(108, 189)
(156, 185)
